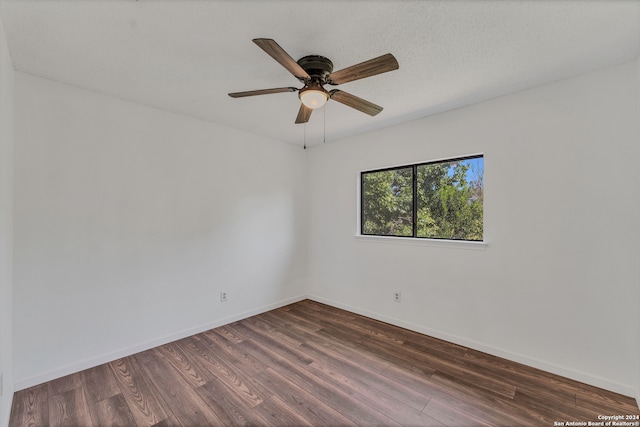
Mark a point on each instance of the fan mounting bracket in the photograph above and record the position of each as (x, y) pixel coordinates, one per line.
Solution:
(318, 67)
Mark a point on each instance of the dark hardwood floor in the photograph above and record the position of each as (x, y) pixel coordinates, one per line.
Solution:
(311, 364)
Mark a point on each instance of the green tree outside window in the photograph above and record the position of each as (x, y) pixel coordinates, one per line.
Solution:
(439, 200)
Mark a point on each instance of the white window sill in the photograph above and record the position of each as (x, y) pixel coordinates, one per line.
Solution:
(457, 244)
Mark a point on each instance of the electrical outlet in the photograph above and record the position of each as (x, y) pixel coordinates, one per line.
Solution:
(397, 296)
(223, 296)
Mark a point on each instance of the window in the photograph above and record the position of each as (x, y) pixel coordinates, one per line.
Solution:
(437, 200)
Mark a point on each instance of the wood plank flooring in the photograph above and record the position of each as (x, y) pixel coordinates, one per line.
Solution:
(308, 364)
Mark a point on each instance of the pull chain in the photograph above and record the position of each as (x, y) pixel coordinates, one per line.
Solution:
(324, 124)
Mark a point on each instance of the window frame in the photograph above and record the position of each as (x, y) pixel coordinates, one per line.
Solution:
(414, 171)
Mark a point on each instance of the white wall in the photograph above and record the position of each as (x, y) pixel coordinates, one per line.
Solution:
(6, 225)
(637, 116)
(129, 221)
(557, 286)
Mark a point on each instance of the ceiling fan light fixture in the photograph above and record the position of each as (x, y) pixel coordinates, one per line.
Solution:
(314, 71)
(314, 97)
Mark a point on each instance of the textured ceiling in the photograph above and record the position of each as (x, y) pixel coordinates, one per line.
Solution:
(185, 56)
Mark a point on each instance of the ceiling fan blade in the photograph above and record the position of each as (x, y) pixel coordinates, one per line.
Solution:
(354, 102)
(303, 114)
(262, 92)
(283, 58)
(369, 68)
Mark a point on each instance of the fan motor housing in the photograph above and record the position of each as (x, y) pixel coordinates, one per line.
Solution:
(318, 67)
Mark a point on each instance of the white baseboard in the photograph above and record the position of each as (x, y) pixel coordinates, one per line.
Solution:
(53, 374)
(583, 377)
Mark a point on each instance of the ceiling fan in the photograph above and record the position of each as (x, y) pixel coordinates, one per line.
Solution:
(314, 71)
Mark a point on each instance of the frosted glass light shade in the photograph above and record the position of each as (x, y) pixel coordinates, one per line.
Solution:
(313, 98)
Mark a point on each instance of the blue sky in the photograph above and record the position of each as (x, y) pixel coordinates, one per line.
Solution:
(476, 167)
